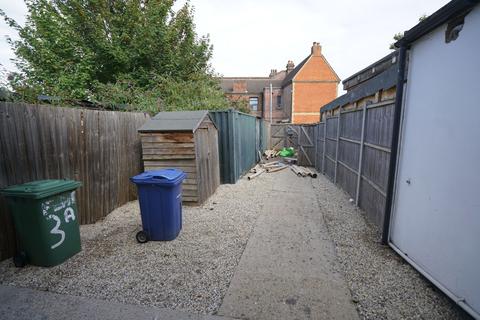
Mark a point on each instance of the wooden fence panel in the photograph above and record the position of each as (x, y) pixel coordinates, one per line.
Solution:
(379, 127)
(351, 125)
(375, 166)
(306, 145)
(347, 179)
(284, 135)
(332, 124)
(356, 154)
(99, 148)
(349, 153)
(330, 148)
(372, 202)
(329, 168)
(277, 136)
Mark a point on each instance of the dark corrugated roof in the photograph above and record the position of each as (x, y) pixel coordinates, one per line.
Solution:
(254, 85)
(439, 17)
(383, 81)
(175, 121)
(370, 71)
(288, 79)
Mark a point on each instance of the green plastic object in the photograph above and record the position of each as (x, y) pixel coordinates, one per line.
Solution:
(287, 152)
(45, 217)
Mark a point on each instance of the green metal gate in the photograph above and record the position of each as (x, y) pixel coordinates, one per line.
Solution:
(238, 142)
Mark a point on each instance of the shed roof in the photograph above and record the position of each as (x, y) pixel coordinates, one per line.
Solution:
(175, 121)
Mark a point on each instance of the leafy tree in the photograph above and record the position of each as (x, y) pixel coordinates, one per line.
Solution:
(240, 103)
(130, 52)
(399, 35)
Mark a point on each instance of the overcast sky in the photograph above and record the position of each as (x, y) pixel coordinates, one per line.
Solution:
(250, 37)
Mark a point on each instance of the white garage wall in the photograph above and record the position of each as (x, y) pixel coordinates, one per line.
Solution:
(436, 208)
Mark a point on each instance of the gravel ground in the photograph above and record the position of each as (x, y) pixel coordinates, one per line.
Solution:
(191, 273)
(382, 284)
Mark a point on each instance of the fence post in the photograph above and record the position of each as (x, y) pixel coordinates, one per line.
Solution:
(324, 143)
(336, 148)
(298, 139)
(360, 158)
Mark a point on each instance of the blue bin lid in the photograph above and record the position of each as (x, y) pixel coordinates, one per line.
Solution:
(168, 176)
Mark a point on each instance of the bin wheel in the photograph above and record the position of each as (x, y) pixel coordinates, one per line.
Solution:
(20, 259)
(141, 237)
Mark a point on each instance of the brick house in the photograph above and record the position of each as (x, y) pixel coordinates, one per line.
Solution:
(296, 93)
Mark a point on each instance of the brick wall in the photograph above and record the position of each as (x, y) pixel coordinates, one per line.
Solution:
(301, 118)
(316, 68)
(278, 111)
(314, 86)
(287, 100)
(309, 98)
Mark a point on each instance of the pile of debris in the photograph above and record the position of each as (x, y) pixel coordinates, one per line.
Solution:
(270, 154)
(266, 167)
(274, 166)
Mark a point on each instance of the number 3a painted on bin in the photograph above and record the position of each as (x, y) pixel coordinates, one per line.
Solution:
(69, 214)
(55, 230)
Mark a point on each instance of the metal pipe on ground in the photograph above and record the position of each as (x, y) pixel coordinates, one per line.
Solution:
(253, 176)
(295, 170)
(270, 164)
(269, 170)
(300, 170)
(311, 173)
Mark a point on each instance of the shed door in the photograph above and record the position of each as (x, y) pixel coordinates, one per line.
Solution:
(436, 213)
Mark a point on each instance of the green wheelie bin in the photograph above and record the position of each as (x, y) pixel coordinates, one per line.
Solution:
(45, 217)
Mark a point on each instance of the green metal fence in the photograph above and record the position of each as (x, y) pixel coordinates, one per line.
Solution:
(240, 137)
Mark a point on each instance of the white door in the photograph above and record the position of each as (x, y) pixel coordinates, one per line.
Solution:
(436, 209)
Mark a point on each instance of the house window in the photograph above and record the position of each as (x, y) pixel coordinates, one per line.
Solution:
(279, 102)
(253, 101)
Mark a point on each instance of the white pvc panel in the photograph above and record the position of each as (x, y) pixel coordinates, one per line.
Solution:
(436, 209)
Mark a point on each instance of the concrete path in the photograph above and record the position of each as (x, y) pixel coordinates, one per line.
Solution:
(21, 303)
(287, 270)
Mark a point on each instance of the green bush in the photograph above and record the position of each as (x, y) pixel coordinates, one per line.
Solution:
(133, 54)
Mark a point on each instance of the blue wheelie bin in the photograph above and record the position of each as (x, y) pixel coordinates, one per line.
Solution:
(160, 198)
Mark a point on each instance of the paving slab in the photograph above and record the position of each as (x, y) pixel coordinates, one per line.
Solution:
(289, 269)
(22, 303)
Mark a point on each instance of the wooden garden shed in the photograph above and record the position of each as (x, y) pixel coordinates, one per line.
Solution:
(186, 140)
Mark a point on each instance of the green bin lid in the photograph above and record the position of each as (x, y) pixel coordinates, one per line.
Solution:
(40, 188)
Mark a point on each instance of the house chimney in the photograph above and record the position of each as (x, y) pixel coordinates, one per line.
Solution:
(316, 49)
(273, 73)
(290, 66)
